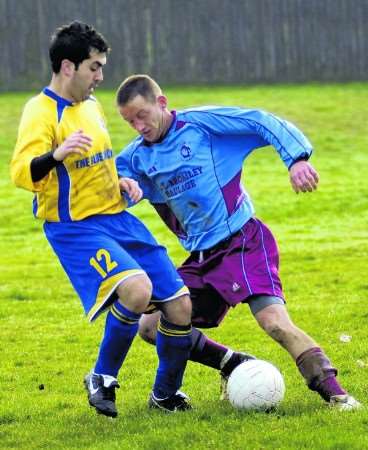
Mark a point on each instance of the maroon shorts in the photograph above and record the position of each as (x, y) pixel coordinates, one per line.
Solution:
(236, 269)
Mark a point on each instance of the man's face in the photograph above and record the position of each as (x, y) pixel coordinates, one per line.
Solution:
(145, 116)
(88, 76)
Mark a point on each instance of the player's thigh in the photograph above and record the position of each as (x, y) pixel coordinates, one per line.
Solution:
(138, 241)
(208, 306)
(167, 284)
(94, 262)
(247, 266)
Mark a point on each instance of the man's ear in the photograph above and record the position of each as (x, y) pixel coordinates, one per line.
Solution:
(162, 101)
(67, 68)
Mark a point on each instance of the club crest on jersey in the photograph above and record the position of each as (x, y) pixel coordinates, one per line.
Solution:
(186, 152)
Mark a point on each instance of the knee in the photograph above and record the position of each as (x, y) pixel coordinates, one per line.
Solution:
(148, 327)
(276, 331)
(276, 322)
(279, 331)
(178, 311)
(186, 308)
(147, 333)
(135, 293)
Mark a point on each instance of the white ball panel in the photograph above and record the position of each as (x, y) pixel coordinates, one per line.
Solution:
(255, 385)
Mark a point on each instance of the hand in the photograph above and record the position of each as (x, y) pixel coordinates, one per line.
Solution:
(303, 177)
(75, 144)
(131, 187)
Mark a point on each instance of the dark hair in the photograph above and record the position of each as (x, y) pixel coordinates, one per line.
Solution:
(135, 85)
(75, 42)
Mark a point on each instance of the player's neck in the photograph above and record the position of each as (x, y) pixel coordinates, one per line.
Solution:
(167, 119)
(59, 88)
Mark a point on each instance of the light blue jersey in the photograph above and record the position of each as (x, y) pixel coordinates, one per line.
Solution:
(193, 175)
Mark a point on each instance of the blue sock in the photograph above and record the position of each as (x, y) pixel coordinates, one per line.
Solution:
(120, 329)
(173, 344)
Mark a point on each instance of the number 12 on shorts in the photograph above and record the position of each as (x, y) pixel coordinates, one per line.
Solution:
(103, 256)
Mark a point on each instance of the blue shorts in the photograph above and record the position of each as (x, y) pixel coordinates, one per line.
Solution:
(101, 251)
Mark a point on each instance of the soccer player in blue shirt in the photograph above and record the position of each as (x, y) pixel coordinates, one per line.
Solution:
(63, 155)
(189, 166)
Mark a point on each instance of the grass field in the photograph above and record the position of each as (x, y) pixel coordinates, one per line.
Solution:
(46, 342)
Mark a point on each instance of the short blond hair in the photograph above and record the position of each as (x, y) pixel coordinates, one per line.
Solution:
(135, 85)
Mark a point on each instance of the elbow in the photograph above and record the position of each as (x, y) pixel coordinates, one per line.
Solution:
(18, 175)
(15, 175)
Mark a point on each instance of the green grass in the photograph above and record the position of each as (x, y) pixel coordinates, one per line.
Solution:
(45, 339)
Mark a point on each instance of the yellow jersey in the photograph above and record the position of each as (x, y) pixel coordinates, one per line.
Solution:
(82, 185)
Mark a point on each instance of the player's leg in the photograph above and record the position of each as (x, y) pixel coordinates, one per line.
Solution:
(121, 327)
(98, 267)
(271, 314)
(260, 262)
(173, 340)
(208, 305)
(208, 310)
(122, 323)
(174, 331)
(310, 359)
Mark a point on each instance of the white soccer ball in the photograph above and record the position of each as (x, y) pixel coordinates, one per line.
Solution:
(255, 385)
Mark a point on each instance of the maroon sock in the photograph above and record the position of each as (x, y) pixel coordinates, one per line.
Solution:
(319, 374)
(205, 351)
(329, 387)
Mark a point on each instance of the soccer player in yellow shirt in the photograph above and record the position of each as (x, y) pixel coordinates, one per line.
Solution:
(63, 155)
